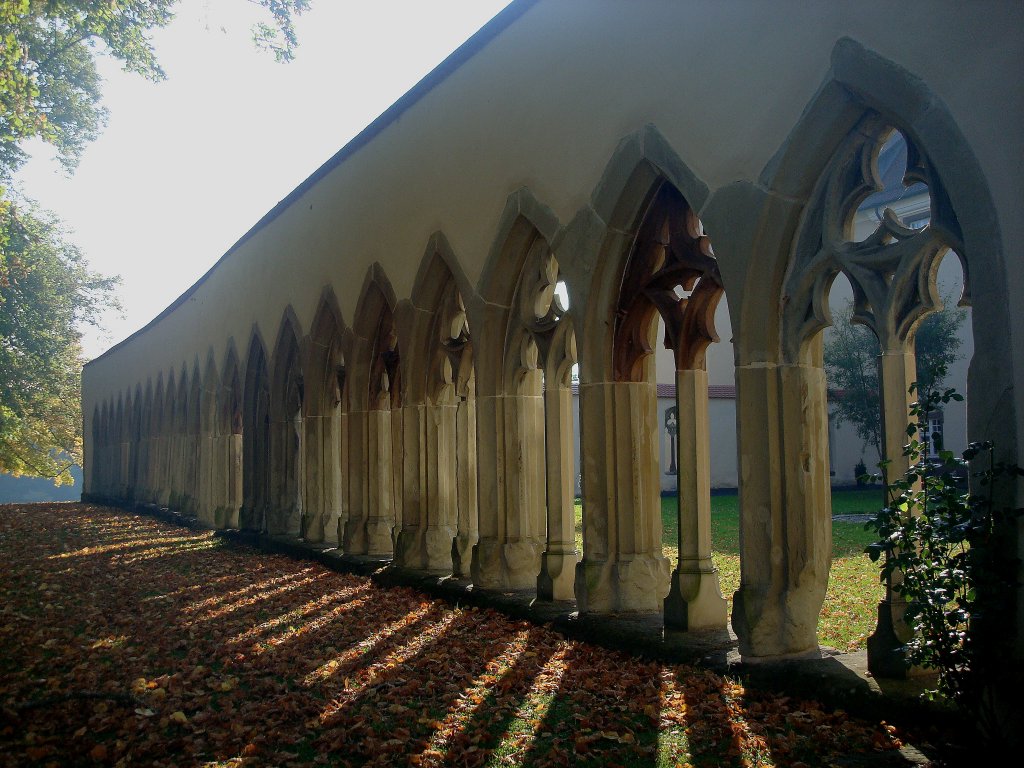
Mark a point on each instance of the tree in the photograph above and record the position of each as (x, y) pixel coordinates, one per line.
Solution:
(50, 90)
(46, 294)
(851, 364)
(49, 86)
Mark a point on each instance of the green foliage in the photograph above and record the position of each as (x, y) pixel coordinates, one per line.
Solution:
(49, 85)
(46, 294)
(49, 59)
(851, 364)
(50, 91)
(945, 552)
(278, 37)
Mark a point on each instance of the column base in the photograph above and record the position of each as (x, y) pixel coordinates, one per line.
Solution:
(506, 565)
(887, 657)
(777, 624)
(462, 555)
(312, 528)
(249, 519)
(695, 601)
(637, 585)
(437, 549)
(379, 541)
(557, 579)
(353, 536)
(342, 526)
(409, 549)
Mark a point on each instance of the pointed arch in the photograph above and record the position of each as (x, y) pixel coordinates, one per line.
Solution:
(228, 443)
(145, 470)
(526, 348)
(287, 392)
(229, 412)
(135, 445)
(158, 440)
(439, 525)
(324, 422)
(119, 486)
(375, 424)
(188, 498)
(210, 473)
(654, 265)
(781, 400)
(255, 436)
(179, 438)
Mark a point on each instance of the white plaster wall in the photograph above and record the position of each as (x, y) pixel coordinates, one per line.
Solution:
(545, 104)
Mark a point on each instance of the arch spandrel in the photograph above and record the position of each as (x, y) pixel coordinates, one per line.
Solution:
(639, 161)
(438, 264)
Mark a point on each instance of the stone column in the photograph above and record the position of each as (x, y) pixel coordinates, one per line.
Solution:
(218, 479)
(312, 524)
(558, 563)
(897, 370)
(695, 599)
(329, 471)
(785, 509)
(352, 531)
(206, 507)
(510, 430)
(524, 491)
(487, 565)
(418, 478)
(441, 502)
(466, 476)
(335, 532)
(234, 483)
(381, 510)
(623, 568)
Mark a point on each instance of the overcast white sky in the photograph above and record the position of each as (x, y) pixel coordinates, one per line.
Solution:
(187, 165)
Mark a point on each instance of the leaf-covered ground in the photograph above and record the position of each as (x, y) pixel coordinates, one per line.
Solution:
(124, 641)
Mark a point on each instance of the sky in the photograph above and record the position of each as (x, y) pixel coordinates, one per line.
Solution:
(187, 165)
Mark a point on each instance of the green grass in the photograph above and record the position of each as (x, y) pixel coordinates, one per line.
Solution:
(848, 613)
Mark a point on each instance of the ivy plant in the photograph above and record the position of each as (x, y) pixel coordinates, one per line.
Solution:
(948, 553)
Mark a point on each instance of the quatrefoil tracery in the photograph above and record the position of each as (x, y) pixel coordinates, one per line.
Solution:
(454, 355)
(892, 271)
(545, 337)
(672, 272)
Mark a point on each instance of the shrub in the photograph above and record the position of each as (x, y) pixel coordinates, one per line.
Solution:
(949, 554)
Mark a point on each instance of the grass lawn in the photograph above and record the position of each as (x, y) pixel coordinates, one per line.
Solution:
(848, 614)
